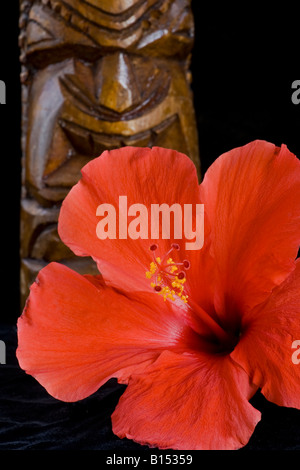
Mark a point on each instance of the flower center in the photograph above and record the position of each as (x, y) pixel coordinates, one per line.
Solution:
(168, 277)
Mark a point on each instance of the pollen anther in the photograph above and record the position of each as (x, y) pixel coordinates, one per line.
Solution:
(167, 276)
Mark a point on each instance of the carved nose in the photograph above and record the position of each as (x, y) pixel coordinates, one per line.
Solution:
(116, 84)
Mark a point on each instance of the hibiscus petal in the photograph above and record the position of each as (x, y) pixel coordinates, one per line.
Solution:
(265, 349)
(252, 200)
(146, 176)
(188, 402)
(75, 334)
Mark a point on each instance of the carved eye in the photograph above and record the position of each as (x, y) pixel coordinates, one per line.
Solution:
(67, 37)
(168, 31)
(86, 31)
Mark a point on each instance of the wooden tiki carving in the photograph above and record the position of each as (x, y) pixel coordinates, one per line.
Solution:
(96, 75)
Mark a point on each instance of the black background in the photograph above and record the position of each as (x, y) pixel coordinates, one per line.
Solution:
(244, 62)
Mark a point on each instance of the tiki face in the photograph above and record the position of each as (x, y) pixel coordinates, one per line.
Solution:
(100, 74)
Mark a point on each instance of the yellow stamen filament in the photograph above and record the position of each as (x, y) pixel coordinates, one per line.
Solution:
(166, 279)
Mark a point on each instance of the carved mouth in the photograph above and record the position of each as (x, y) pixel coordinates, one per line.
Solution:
(89, 142)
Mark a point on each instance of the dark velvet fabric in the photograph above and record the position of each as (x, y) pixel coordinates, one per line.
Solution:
(30, 419)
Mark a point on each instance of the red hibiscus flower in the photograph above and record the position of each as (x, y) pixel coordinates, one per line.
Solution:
(193, 333)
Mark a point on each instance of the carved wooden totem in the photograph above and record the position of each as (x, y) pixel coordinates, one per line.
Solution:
(96, 75)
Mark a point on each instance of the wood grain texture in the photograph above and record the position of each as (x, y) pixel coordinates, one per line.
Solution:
(96, 75)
